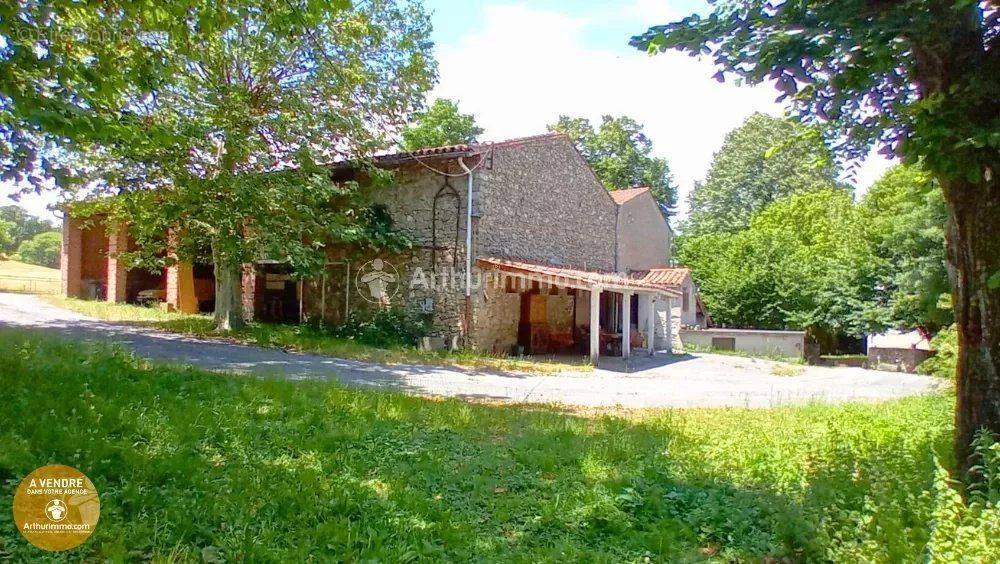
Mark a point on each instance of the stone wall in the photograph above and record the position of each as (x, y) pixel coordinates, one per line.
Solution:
(756, 341)
(643, 235)
(897, 360)
(541, 202)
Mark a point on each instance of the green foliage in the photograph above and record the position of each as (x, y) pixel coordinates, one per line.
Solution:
(904, 213)
(42, 249)
(964, 530)
(23, 226)
(441, 124)
(6, 236)
(238, 92)
(383, 327)
(798, 265)
(945, 360)
(621, 155)
(190, 463)
(760, 162)
(817, 260)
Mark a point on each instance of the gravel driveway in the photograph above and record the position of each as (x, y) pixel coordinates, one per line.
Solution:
(693, 380)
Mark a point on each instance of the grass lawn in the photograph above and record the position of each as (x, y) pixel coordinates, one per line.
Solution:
(191, 464)
(18, 276)
(306, 338)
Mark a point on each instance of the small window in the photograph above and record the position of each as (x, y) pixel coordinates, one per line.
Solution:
(724, 343)
(686, 301)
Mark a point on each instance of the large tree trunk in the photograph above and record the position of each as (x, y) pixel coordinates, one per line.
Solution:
(973, 237)
(228, 295)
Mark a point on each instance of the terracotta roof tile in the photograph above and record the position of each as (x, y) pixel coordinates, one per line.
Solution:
(668, 276)
(626, 194)
(559, 275)
(463, 148)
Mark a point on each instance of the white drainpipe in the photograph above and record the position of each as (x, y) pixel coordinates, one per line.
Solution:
(468, 251)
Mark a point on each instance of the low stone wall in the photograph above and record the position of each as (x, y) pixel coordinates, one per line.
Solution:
(754, 341)
(897, 360)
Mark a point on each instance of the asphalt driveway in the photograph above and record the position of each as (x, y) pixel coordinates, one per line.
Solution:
(693, 380)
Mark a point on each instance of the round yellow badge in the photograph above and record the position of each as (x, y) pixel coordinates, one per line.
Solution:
(56, 507)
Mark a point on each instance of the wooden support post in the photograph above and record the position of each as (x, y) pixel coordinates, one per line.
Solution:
(626, 324)
(595, 325)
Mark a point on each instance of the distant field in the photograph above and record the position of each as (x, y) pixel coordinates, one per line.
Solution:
(28, 278)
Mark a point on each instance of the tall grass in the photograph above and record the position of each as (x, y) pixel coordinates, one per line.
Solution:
(192, 465)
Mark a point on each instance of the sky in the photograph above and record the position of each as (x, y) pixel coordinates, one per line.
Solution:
(518, 65)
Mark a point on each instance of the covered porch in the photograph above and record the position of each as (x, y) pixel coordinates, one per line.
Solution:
(541, 309)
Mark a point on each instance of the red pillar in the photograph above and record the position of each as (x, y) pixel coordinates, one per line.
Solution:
(117, 273)
(180, 281)
(71, 256)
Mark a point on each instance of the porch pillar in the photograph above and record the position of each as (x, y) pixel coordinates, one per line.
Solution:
(595, 324)
(71, 256)
(651, 323)
(180, 288)
(626, 324)
(117, 273)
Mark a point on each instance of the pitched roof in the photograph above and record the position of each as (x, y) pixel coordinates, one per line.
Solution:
(624, 195)
(572, 277)
(666, 276)
(463, 149)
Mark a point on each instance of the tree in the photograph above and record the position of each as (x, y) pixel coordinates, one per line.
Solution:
(919, 79)
(6, 236)
(904, 214)
(621, 155)
(42, 249)
(441, 124)
(219, 116)
(761, 161)
(24, 226)
(797, 265)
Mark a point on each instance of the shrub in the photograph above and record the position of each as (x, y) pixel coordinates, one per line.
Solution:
(944, 362)
(42, 249)
(967, 530)
(384, 327)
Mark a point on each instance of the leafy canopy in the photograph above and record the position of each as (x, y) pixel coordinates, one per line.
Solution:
(621, 155)
(441, 124)
(763, 160)
(904, 214)
(797, 265)
(24, 226)
(200, 106)
(42, 249)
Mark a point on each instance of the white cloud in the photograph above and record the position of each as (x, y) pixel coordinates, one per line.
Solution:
(526, 66)
(35, 204)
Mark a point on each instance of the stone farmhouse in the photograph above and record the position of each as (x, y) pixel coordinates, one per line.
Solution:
(518, 248)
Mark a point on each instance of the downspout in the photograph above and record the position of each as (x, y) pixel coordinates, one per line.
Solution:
(618, 212)
(468, 252)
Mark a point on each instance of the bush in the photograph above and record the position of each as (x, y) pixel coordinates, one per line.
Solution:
(967, 530)
(944, 362)
(384, 327)
(42, 249)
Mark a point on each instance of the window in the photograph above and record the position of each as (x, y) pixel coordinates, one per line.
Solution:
(686, 300)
